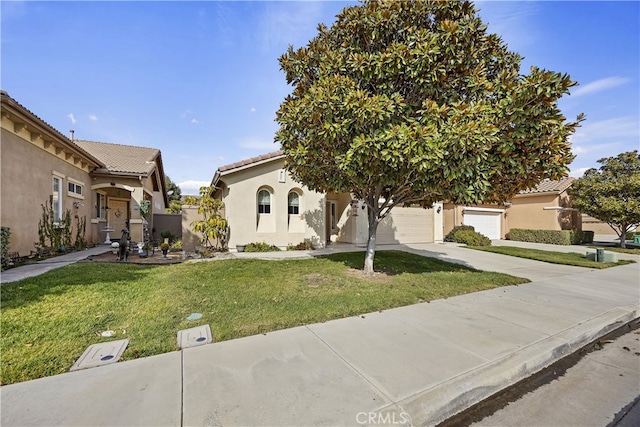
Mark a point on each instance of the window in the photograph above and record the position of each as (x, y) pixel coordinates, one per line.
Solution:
(333, 215)
(294, 203)
(101, 204)
(56, 198)
(74, 189)
(264, 202)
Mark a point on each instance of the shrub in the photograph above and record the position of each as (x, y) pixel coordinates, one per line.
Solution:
(450, 236)
(630, 234)
(5, 234)
(553, 237)
(261, 247)
(303, 246)
(471, 238)
(177, 245)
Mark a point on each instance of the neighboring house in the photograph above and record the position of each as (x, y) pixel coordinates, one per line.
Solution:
(546, 207)
(103, 183)
(264, 204)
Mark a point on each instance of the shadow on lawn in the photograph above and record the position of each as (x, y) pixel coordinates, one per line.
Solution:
(58, 282)
(414, 261)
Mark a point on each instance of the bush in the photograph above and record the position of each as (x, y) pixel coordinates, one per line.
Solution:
(303, 246)
(177, 245)
(553, 237)
(450, 236)
(630, 234)
(471, 238)
(261, 247)
(5, 235)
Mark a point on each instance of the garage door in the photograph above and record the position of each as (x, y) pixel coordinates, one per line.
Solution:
(406, 225)
(487, 223)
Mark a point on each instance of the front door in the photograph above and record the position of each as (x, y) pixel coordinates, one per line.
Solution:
(118, 216)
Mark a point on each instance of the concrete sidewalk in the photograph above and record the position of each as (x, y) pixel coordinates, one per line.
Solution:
(41, 267)
(415, 365)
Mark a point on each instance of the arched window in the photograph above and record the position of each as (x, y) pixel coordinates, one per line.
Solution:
(264, 202)
(294, 203)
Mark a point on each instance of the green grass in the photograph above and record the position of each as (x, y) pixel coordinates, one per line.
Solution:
(628, 250)
(562, 258)
(48, 321)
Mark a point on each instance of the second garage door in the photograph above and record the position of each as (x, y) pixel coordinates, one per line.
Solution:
(487, 223)
(406, 225)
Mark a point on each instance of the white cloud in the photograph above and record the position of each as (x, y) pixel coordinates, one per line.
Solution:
(514, 22)
(195, 121)
(93, 117)
(600, 85)
(72, 118)
(617, 128)
(258, 144)
(192, 187)
(253, 109)
(578, 172)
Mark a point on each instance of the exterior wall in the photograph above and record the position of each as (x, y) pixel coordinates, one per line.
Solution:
(525, 211)
(240, 194)
(528, 211)
(598, 227)
(27, 181)
(171, 222)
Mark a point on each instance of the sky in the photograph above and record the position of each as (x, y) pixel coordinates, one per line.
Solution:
(201, 80)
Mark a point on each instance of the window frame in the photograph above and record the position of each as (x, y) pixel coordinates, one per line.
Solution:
(76, 185)
(291, 207)
(264, 208)
(101, 203)
(57, 197)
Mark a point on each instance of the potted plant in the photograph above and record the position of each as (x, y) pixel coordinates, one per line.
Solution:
(164, 247)
(166, 235)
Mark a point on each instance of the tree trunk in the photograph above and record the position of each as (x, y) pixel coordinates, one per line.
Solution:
(371, 242)
(623, 236)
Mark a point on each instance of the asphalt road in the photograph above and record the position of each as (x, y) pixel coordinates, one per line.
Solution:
(602, 389)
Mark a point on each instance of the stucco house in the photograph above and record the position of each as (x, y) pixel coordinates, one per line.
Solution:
(546, 207)
(264, 204)
(103, 183)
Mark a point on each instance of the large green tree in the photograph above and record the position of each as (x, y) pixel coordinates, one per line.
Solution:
(175, 195)
(611, 193)
(413, 102)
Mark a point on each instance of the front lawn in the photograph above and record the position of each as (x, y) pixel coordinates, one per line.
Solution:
(49, 320)
(617, 248)
(563, 258)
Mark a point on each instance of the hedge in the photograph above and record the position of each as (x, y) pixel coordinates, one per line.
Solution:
(5, 235)
(554, 237)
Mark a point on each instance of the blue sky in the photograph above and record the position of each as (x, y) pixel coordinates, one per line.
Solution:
(201, 81)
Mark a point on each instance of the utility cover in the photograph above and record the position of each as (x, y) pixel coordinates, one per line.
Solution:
(100, 354)
(194, 337)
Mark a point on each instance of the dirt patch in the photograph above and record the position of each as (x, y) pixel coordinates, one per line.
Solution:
(377, 276)
(314, 280)
(152, 259)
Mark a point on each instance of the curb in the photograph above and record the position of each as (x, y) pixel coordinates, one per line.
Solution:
(436, 404)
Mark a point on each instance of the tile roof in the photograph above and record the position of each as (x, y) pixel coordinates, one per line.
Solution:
(7, 100)
(122, 158)
(549, 186)
(252, 160)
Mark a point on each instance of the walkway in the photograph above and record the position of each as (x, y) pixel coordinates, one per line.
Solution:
(417, 365)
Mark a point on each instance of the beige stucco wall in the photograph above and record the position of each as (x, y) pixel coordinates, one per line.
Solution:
(278, 227)
(528, 211)
(27, 183)
(598, 227)
(525, 211)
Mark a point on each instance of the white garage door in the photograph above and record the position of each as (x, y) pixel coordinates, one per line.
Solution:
(406, 225)
(487, 223)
